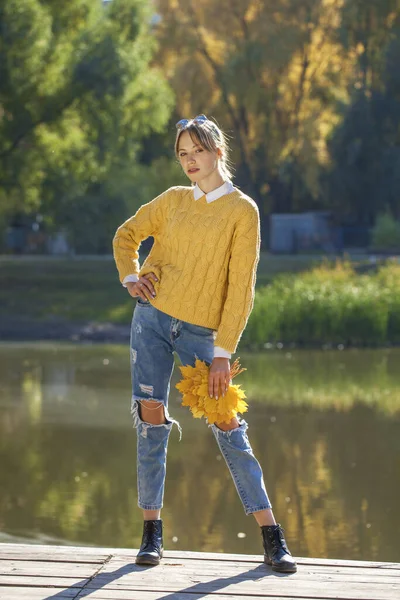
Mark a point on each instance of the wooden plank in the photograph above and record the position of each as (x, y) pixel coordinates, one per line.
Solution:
(312, 590)
(39, 581)
(59, 569)
(146, 595)
(22, 593)
(49, 548)
(259, 559)
(52, 553)
(162, 595)
(63, 558)
(247, 570)
(181, 576)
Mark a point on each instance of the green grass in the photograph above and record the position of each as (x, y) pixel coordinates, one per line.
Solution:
(73, 289)
(83, 289)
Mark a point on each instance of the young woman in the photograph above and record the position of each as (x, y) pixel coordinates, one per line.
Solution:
(194, 291)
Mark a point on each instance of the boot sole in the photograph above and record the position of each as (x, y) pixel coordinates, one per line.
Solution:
(148, 560)
(286, 569)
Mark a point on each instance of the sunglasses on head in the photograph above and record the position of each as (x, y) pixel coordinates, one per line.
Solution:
(183, 123)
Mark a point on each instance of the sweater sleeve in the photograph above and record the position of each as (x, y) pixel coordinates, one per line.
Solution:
(145, 222)
(242, 273)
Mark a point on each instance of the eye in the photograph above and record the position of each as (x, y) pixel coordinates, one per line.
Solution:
(182, 154)
(199, 150)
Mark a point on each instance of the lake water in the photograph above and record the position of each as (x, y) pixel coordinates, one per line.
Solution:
(325, 426)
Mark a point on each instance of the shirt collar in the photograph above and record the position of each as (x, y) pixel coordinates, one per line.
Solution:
(225, 188)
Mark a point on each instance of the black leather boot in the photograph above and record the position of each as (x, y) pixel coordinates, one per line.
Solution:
(276, 552)
(151, 550)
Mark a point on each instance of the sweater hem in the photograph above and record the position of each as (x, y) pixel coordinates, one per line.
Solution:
(182, 316)
(224, 342)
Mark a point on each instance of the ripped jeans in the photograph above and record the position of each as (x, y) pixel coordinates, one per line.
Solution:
(154, 338)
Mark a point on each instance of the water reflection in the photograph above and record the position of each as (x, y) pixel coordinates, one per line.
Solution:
(324, 425)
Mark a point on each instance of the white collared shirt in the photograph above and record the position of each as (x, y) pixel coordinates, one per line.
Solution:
(226, 188)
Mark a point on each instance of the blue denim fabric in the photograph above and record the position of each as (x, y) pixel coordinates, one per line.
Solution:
(155, 336)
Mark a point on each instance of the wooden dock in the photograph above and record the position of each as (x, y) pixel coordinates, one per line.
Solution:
(42, 572)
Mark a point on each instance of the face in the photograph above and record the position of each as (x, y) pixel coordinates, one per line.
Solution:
(197, 163)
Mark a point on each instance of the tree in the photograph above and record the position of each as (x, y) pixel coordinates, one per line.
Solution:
(270, 72)
(365, 148)
(77, 98)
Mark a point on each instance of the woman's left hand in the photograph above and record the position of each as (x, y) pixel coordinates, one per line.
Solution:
(219, 377)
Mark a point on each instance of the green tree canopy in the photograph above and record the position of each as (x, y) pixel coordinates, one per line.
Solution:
(78, 95)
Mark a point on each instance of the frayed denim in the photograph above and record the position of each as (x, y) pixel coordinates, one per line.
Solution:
(155, 336)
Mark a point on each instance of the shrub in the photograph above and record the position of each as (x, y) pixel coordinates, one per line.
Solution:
(386, 233)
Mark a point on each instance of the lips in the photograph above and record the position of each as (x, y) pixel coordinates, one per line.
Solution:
(193, 171)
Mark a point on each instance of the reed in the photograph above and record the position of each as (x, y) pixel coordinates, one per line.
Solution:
(330, 304)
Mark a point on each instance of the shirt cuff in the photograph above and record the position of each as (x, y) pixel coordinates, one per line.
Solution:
(128, 278)
(221, 353)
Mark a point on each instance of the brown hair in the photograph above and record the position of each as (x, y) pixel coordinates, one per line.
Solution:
(210, 137)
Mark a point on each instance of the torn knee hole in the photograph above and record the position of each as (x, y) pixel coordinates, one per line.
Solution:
(224, 427)
(149, 411)
(143, 425)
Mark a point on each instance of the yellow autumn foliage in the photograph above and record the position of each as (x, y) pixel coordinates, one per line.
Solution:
(194, 389)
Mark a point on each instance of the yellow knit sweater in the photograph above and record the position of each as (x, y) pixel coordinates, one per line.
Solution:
(205, 256)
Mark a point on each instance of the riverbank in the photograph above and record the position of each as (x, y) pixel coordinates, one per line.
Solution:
(80, 297)
(23, 329)
(298, 301)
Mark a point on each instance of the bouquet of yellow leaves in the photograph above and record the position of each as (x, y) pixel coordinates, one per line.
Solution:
(194, 388)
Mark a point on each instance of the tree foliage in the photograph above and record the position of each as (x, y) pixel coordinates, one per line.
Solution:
(271, 72)
(77, 98)
(308, 90)
(365, 148)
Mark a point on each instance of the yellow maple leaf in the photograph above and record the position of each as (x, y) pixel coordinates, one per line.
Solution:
(194, 389)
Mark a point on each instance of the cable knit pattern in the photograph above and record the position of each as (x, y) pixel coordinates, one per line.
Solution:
(205, 256)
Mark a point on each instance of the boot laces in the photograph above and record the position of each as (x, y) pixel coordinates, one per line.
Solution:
(150, 533)
(277, 539)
